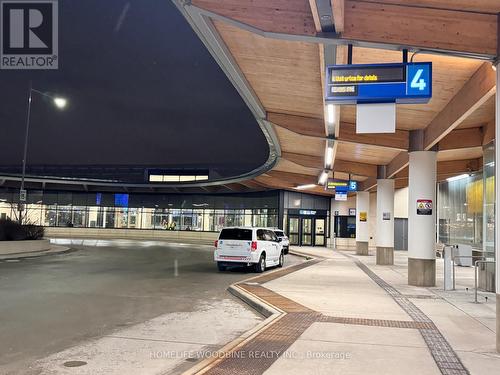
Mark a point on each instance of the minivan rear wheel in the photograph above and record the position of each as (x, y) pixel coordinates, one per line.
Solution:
(261, 265)
(221, 266)
(282, 260)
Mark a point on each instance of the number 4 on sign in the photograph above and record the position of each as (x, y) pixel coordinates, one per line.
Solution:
(417, 82)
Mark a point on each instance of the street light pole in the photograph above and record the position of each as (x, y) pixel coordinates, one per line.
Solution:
(26, 135)
(59, 103)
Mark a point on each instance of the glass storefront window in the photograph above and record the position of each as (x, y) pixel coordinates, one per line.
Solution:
(64, 216)
(461, 211)
(147, 218)
(145, 211)
(134, 218)
(208, 220)
(489, 198)
(109, 217)
(79, 216)
(219, 220)
(92, 221)
(121, 218)
(6, 210)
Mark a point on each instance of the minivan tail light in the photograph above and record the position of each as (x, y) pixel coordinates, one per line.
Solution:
(216, 243)
(254, 245)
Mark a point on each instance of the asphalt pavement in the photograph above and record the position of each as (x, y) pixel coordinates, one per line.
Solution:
(51, 303)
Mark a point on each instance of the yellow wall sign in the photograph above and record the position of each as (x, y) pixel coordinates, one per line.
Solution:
(363, 216)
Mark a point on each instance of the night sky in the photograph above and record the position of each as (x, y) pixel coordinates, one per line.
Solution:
(141, 91)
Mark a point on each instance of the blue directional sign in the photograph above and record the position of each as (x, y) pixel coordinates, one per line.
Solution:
(342, 185)
(405, 83)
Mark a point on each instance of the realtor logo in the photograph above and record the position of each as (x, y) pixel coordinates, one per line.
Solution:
(29, 35)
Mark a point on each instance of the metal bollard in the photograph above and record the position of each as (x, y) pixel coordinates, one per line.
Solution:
(448, 285)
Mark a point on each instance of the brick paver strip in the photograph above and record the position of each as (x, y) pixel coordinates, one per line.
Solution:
(445, 357)
(378, 322)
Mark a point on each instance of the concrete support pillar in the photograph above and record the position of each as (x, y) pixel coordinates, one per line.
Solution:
(385, 221)
(422, 219)
(362, 217)
(497, 211)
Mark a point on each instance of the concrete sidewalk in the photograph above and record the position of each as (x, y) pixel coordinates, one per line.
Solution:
(373, 322)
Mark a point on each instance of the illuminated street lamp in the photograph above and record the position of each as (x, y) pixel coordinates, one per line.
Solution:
(60, 103)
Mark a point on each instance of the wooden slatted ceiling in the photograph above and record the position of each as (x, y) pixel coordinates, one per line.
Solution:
(449, 75)
(282, 16)
(285, 75)
(481, 116)
(481, 6)
(300, 144)
(420, 27)
(285, 165)
(365, 153)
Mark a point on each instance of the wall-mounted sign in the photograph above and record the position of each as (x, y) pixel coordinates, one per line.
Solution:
(403, 83)
(336, 213)
(424, 207)
(342, 185)
(386, 216)
(307, 212)
(363, 216)
(340, 195)
(352, 212)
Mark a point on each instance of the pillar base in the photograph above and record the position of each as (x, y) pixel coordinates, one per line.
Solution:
(361, 248)
(498, 323)
(385, 256)
(421, 272)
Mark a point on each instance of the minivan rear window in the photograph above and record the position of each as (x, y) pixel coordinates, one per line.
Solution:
(236, 234)
(279, 233)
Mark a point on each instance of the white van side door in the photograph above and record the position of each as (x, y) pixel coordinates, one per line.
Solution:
(273, 245)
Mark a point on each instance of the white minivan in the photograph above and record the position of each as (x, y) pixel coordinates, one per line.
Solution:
(248, 246)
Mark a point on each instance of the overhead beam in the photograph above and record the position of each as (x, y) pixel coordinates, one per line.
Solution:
(315, 14)
(338, 15)
(314, 127)
(462, 138)
(368, 184)
(488, 132)
(477, 90)
(397, 164)
(440, 29)
(398, 140)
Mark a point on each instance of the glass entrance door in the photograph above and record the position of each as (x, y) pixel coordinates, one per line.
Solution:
(319, 232)
(293, 230)
(306, 232)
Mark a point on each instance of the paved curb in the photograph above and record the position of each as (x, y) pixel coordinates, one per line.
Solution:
(272, 314)
(54, 250)
(256, 303)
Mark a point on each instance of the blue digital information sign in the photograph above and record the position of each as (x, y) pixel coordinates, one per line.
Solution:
(342, 185)
(404, 83)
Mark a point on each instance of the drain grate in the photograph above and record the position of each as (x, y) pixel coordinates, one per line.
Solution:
(74, 363)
